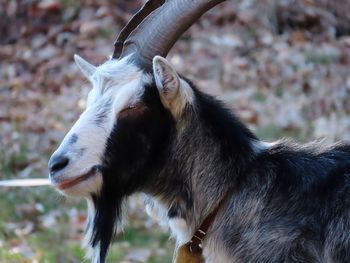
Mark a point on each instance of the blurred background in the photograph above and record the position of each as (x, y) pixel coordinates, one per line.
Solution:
(283, 66)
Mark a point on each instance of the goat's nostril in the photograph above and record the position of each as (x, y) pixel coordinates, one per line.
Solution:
(57, 163)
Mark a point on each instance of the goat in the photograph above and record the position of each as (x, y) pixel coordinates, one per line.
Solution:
(146, 129)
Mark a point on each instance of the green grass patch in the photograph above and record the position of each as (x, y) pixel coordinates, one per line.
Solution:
(259, 96)
(55, 244)
(272, 132)
(320, 58)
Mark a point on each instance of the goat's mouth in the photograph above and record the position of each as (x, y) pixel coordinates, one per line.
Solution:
(76, 180)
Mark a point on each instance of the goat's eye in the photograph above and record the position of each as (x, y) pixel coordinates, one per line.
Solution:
(132, 110)
(130, 107)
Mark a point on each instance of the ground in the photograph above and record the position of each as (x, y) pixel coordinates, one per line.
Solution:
(285, 72)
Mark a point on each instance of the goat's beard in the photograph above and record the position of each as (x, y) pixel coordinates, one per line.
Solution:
(106, 220)
(108, 205)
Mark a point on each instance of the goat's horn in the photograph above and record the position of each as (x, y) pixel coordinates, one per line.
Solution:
(148, 7)
(159, 30)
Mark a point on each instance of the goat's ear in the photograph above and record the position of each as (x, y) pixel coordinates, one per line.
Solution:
(174, 92)
(85, 67)
(167, 80)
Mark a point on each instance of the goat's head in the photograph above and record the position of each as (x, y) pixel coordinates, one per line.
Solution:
(125, 127)
(137, 100)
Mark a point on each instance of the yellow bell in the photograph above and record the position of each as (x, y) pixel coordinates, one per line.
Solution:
(184, 255)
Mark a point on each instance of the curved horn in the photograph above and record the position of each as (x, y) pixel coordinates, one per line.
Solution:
(158, 31)
(148, 7)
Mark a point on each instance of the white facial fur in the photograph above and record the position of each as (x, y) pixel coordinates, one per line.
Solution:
(116, 84)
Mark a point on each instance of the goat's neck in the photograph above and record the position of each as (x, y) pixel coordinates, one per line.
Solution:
(207, 161)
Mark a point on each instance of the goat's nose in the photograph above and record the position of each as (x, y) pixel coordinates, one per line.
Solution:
(57, 163)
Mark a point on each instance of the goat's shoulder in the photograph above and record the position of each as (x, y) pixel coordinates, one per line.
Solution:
(312, 167)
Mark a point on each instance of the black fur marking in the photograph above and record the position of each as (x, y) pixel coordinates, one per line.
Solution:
(73, 139)
(174, 211)
(308, 170)
(81, 151)
(134, 152)
(235, 139)
(182, 199)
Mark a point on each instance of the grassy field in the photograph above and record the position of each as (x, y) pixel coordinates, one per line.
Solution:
(37, 225)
